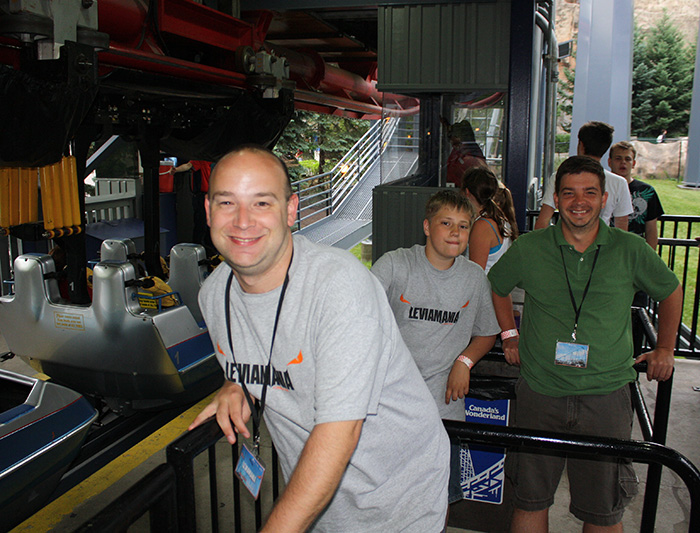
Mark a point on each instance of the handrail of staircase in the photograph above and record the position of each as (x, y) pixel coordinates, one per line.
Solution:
(328, 190)
(357, 161)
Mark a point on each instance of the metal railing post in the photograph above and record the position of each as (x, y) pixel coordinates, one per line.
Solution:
(658, 431)
(299, 204)
(661, 416)
(213, 493)
(180, 454)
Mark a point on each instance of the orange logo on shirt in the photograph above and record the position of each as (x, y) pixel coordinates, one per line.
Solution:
(218, 349)
(404, 300)
(466, 304)
(297, 360)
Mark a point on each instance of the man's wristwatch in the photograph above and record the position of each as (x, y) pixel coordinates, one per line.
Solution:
(509, 334)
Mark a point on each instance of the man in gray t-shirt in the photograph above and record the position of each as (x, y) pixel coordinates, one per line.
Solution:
(361, 443)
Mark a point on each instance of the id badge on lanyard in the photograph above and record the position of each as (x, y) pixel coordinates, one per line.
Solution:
(250, 469)
(572, 353)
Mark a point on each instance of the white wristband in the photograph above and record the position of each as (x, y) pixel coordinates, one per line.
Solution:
(464, 359)
(509, 333)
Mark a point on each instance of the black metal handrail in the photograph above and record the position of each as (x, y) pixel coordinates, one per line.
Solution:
(643, 452)
(154, 493)
(678, 256)
(181, 454)
(168, 491)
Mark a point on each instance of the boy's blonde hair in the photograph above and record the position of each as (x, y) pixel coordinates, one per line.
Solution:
(448, 198)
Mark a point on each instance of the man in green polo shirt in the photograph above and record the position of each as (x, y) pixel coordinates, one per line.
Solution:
(579, 277)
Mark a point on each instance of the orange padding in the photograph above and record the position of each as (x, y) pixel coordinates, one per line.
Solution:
(19, 197)
(59, 197)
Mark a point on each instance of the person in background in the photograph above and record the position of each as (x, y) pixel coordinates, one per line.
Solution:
(504, 200)
(199, 185)
(594, 138)
(466, 152)
(493, 230)
(645, 201)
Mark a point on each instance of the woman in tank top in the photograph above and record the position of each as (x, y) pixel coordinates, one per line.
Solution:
(495, 228)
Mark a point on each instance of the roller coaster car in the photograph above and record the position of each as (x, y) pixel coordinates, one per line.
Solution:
(42, 426)
(114, 349)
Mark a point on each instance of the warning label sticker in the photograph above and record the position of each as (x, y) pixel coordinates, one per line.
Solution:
(69, 321)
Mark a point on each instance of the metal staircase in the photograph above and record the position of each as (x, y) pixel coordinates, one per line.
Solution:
(339, 202)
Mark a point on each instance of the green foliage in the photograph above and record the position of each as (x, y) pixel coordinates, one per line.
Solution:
(307, 131)
(310, 164)
(565, 100)
(357, 252)
(679, 201)
(662, 80)
(119, 163)
(561, 143)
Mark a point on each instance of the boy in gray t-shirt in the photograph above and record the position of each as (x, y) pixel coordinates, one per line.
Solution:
(442, 304)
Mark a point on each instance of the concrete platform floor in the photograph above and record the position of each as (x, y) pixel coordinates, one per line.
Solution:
(79, 504)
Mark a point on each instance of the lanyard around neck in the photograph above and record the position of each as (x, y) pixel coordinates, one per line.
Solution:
(577, 309)
(256, 412)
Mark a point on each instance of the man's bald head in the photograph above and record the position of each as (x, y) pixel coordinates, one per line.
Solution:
(256, 150)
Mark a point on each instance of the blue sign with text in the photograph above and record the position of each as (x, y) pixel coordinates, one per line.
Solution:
(482, 466)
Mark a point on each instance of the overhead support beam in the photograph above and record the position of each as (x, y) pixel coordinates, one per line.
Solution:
(692, 164)
(518, 120)
(603, 86)
(149, 147)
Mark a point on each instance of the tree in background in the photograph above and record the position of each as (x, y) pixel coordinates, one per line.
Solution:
(333, 136)
(663, 67)
(565, 100)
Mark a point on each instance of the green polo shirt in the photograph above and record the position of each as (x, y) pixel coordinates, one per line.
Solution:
(625, 265)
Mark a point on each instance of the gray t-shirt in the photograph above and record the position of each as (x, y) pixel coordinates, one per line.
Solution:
(438, 312)
(338, 355)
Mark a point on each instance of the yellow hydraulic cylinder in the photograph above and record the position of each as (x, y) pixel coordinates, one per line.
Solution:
(9, 194)
(28, 195)
(58, 198)
(71, 175)
(64, 189)
(5, 199)
(47, 196)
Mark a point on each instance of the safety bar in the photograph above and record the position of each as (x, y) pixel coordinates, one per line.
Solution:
(641, 452)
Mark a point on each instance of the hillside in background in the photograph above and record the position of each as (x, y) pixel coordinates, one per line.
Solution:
(685, 14)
